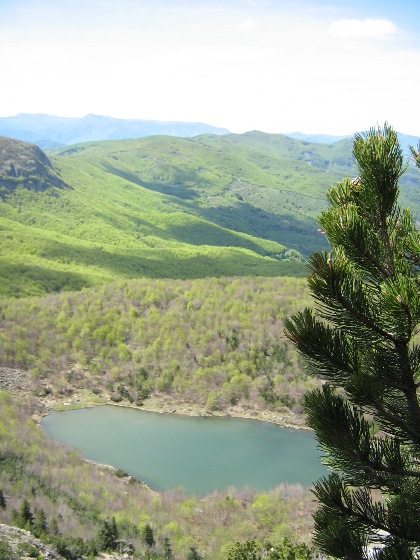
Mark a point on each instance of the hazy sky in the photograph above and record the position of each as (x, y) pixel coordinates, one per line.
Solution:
(272, 65)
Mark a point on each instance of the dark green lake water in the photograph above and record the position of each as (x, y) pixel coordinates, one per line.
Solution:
(199, 454)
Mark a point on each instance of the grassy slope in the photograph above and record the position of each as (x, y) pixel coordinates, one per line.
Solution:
(172, 207)
(107, 228)
(269, 186)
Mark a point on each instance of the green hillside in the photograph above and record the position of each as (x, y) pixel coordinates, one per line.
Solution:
(165, 207)
(183, 252)
(265, 185)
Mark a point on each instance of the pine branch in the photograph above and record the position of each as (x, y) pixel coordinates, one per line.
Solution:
(368, 293)
(346, 436)
(328, 351)
(330, 282)
(362, 512)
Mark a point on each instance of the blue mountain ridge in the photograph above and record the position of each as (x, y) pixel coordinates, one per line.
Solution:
(48, 131)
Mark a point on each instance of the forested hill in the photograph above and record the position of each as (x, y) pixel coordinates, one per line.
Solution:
(170, 207)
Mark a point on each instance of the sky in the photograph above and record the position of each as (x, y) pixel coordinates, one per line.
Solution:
(315, 66)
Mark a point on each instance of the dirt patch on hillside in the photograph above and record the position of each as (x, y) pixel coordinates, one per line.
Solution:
(11, 378)
(169, 405)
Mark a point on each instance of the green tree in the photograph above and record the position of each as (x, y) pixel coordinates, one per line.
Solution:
(152, 555)
(2, 500)
(40, 523)
(244, 551)
(108, 535)
(361, 339)
(193, 554)
(288, 551)
(148, 536)
(283, 551)
(24, 517)
(167, 549)
(54, 529)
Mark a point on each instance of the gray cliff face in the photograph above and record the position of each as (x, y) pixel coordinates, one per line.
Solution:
(25, 165)
(20, 543)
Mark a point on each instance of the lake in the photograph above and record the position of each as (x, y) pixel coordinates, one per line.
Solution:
(199, 454)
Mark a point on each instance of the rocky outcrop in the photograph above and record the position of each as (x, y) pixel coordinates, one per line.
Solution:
(21, 541)
(11, 378)
(25, 165)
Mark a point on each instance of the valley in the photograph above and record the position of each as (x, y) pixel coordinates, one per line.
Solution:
(156, 273)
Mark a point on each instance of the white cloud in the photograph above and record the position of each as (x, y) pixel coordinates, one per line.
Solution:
(368, 29)
(272, 70)
(248, 25)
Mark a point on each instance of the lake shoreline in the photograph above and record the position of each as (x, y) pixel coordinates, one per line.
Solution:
(164, 404)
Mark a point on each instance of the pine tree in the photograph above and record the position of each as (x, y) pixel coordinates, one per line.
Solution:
(108, 535)
(25, 518)
(167, 549)
(2, 500)
(39, 527)
(193, 554)
(148, 536)
(54, 529)
(362, 340)
(114, 529)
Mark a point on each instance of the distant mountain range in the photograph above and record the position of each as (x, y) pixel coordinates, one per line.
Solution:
(50, 132)
(316, 138)
(405, 139)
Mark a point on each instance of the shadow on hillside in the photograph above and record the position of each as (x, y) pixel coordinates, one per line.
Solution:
(287, 229)
(207, 233)
(175, 188)
(161, 263)
(219, 229)
(20, 280)
(138, 226)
